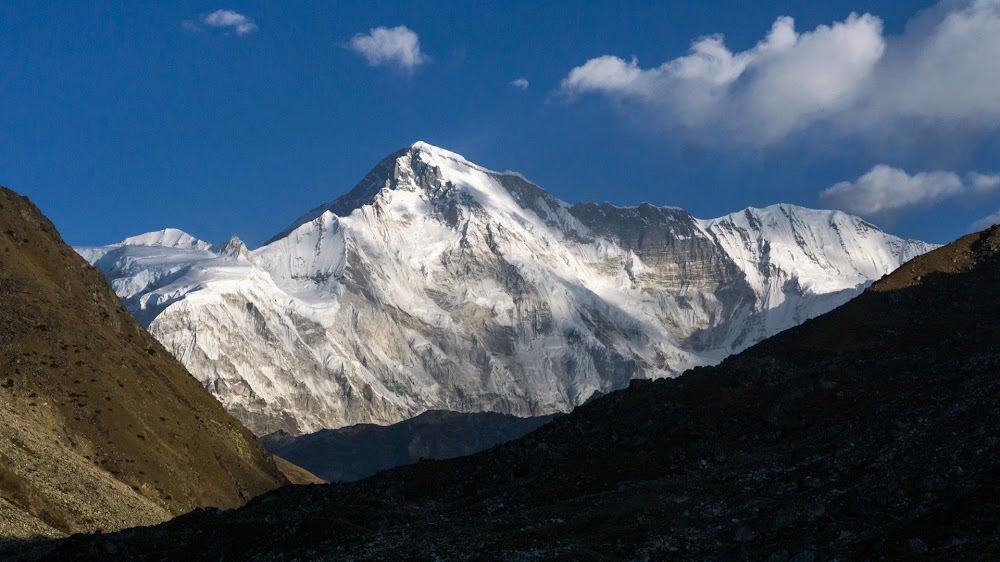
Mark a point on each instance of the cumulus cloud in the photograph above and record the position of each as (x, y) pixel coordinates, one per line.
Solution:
(520, 83)
(848, 75)
(985, 222)
(780, 85)
(398, 46)
(226, 19)
(885, 190)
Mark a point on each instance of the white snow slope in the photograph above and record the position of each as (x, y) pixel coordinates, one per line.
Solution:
(438, 284)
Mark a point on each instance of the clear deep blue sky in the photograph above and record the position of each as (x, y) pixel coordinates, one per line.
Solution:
(118, 118)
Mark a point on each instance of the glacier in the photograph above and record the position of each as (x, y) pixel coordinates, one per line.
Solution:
(437, 284)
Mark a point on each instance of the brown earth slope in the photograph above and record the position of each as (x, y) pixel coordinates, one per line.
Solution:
(869, 433)
(296, 474)
(100, 428)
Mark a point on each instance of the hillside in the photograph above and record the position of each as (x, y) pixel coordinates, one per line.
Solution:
(100, 427)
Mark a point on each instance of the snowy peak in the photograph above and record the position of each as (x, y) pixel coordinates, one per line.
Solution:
(427, 148)
(167, 238)
(437, 174)
(436, 283)
(788, 218)
(129, 264)
(362, 194)
(236, 249)
(822, 249)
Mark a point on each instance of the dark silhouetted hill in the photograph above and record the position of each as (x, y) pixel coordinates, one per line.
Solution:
(359, 451)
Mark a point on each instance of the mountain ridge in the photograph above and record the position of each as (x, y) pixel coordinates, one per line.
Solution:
(450, 286)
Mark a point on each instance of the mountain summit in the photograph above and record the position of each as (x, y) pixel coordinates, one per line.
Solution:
(439, 284)
(386, 175)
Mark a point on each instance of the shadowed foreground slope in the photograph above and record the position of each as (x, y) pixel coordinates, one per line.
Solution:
(869, 432)
(100, 428)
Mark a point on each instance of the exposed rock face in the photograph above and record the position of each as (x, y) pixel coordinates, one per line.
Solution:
(100, 427)
(438, 284)
(236, 249)
(356, 452)
(870, 433)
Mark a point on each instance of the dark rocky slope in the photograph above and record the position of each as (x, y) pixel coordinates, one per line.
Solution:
(100, 427)
(869, 433)
(359, 451)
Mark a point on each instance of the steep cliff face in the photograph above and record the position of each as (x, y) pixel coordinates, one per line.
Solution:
(100, 427)
(439, 284)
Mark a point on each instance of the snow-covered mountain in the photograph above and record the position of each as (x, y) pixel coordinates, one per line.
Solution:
(438, 284)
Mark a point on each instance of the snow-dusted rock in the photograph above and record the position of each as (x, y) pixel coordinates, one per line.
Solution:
(167, 238)
(439, 284)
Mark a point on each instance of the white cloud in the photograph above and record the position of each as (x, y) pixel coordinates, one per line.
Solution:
(785, 82)
(984, 183)
(885, 190)
(944, 66)
(397, 46)
(848, 76)
(228, 19)
(520, 83)
(985, 222)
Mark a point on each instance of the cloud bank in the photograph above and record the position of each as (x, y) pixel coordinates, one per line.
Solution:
(885, 190)
(847, 76)
(397, 46)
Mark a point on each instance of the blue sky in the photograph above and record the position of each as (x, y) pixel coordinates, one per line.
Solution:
(124, 117)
